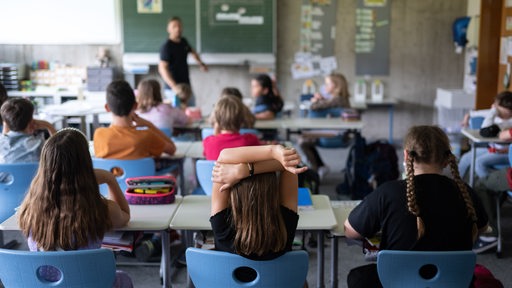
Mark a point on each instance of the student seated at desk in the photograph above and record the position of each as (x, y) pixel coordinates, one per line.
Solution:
(425, 212)
(268, 102)
(336, 96)
(248, 120)
(253, 213)
(20, 140)
(129, 136)
(64, 209)
(151, 107)
(500, 114)
(228, 116)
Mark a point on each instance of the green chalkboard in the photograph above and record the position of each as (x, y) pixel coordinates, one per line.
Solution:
(237, 26)
(145, 33)
(218, 26)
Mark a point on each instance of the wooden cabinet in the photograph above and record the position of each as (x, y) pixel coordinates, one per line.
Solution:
(504, 69)
(488, 67)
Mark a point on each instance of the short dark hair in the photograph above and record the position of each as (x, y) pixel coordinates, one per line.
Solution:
(120, 98)
(174, 18)
(504, 99)
(232, 91)
(17, 113)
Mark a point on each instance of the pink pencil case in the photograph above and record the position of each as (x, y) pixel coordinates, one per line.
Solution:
(149, 190)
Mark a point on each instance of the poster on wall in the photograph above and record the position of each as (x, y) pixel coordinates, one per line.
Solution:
(317, 32)
(149, 6)
(371, 43)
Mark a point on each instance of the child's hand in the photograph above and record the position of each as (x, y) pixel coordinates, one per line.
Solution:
(289, 158)
(228, 174)
(140, 122)
(505, 135)
(465, 121)
(316, 97)
(104, 176)
(41, 125)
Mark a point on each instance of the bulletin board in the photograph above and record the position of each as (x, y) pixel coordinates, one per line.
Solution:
(372, 37)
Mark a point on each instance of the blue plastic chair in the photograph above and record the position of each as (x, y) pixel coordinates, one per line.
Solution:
(324, 113)
(130, 168)
(476, 122)
(208, 267)
(80, 268)
(16, 179)
(204, 170)
(205, 132)
(167, 131)
(329, 142)
(425, 268)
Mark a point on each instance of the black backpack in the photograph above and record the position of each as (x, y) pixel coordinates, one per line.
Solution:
(310, 179)
(368, 166)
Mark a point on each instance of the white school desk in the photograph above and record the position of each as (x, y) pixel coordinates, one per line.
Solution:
(194, 214)
(76, 108)
(196, 150)
(341, 210)
(299, 124)
(478, 141)
(155, 218)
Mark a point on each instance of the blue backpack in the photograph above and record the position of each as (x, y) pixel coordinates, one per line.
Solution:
(367, 167)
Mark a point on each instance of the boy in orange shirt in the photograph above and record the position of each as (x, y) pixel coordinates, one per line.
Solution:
(129, 136)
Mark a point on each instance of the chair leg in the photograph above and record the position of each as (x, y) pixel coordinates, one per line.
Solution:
(498, 224)
(334, 261)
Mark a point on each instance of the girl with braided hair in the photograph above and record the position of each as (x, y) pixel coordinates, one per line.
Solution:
(425, 212)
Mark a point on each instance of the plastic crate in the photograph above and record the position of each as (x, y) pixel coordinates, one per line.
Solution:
(450, 118)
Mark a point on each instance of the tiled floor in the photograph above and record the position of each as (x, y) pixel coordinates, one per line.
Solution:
(349, 256)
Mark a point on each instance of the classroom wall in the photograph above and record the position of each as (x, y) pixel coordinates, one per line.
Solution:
(422, 58)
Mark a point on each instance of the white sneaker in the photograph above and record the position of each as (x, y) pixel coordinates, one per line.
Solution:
(322, 171)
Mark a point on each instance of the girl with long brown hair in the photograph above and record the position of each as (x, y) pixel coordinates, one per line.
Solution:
(150, 106)
(425, 212)
(254, 212)
(63, 209)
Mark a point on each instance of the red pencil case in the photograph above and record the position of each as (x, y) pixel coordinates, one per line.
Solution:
(150, 190)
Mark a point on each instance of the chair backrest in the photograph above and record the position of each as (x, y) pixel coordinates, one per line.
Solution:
(425, 268)
(476, 122)
(323, 113)
(510, 155)
(167, 131)
(207, 266)
(128, 169)
(16, 179)
(80, 268)
(205, 132)
(204, 170)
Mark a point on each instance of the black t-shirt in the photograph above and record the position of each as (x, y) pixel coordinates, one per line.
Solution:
(175, 53)
(447, 226)
(268, 103)
(224, 232)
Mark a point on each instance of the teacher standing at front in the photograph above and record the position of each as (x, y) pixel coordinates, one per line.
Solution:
(173, 66)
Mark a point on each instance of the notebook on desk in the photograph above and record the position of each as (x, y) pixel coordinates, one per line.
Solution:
(305, 201)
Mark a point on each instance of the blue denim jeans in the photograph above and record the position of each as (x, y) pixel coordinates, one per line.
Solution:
(484, 162)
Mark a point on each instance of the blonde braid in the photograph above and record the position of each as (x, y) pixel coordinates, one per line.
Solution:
(464, 192)
(412, 205)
